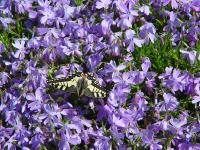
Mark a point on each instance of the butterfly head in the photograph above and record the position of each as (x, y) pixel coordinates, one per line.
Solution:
(84, 75)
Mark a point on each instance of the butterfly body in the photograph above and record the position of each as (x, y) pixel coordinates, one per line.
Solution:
(81, 83)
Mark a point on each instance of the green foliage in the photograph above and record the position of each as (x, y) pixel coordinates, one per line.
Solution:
(78, 2)
(163, 54)
(14, 31)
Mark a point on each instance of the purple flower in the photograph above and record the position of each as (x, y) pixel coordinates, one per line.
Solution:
(53, 114)
(174, 3)
(50, 35)
(71, 49)
(176, 126)
(191, 55)
(2, 48)
(145, 9)
(34, 43)
(36, 100)
(146, 64)
(22, 6)
(113, 68)
(148, 139)
(6, 133)
(173, 22)
(4, 78)
(131, 40)
(138, 76)
(104, 111)
(127, 14)
(139, 101)
(187, 146)
(175, 80)
(195, 99)
(130, 115)
(170, 103)
(38, 138)
(150, 82)
(103, 4)
(147, 32)
(64, 37)
(101, 141)
(196, 5)
(48, 15)
(21, 133)
(125, 78)
(36, 76)
(119, 121)
(21, 49)
(68, 136)
(115, 43)
(118, 95)
(106, 23)
(6, 21)
(94, 60)
(32, 14)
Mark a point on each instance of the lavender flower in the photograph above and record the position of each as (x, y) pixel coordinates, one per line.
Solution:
(125, 78)
(103, 4)
(174, 3)
(1, 47)
(148, 139)
(127, 14)
(170, 103)
(189, 55)
(145, 9)
(67, 137)
(176, 126)
(6, 21)
(36, 100)
(4, 77)
(113, 68)
(106, 23)
(147, 32)
(196, 99)
(54, 38)
(132, 40)
(21, 49)
(195, 5)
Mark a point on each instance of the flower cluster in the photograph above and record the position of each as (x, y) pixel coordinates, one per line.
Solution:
(54, 38)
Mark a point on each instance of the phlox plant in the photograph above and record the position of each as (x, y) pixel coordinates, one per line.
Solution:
(145, 53)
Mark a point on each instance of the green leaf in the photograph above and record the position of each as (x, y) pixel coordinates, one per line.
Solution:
(78, 2)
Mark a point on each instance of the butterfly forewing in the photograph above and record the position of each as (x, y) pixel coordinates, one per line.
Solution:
(68, 84)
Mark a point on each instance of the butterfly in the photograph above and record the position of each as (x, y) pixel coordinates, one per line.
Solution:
(84, 84)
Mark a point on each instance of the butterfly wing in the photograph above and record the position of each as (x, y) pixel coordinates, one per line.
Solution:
(93, 89)
(68, 84)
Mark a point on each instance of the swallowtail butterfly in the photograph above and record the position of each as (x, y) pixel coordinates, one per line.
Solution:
(81, 83)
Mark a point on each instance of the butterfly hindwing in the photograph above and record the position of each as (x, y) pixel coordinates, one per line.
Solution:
(93, 89)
